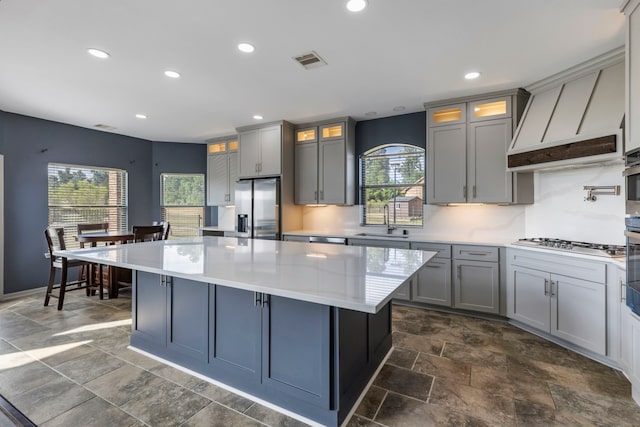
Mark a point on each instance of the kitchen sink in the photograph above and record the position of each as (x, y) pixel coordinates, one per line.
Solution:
(396, 236)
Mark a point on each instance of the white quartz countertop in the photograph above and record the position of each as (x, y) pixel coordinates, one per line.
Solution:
(351, 277)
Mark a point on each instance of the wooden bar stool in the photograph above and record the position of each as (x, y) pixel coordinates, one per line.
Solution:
(55, 241)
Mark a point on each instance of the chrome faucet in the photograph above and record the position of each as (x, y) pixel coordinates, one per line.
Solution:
(385, 218)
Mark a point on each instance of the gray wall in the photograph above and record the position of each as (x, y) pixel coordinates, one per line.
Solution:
(405, 129)
(29, 144)
(178, 158)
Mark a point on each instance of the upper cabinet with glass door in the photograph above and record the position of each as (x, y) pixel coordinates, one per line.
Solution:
(324, 163)
(490, 109)
(448, 115)
(222, 171)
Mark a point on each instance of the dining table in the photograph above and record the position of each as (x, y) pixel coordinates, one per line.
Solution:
(110, 238)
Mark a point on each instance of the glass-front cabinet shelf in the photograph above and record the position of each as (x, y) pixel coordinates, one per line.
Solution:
(447, 115)
(490, 109)
(307, 135)
(222, 147)
(332, 131)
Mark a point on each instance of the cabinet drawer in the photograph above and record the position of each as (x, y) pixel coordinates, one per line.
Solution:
(584, 269)
(443, 251)
(475, 253)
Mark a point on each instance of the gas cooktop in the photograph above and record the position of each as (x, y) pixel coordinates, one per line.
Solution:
(575, 247)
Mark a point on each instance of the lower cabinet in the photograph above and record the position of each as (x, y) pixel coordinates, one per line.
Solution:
(476, 284)
(433, 284)
(310, 358)
(171, 312)
(565, 306)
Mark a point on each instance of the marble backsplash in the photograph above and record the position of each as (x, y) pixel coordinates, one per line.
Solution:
(559, 211)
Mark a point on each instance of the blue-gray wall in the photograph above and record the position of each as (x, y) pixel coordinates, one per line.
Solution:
(405, 129)
(29, 144)
(179, 158)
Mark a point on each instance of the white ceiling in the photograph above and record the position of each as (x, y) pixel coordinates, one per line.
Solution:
(395, 53)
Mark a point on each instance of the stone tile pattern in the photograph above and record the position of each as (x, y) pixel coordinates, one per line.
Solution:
(73, 368)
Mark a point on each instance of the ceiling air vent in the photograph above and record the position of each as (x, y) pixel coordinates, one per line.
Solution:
(310, 60)
(104, 127)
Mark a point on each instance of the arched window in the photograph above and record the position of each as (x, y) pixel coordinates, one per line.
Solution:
(392, 185)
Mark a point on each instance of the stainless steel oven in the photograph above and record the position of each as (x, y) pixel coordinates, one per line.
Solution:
(632, 178)
(633, 263)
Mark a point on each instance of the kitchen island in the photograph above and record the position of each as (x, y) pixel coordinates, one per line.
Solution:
(301, 326)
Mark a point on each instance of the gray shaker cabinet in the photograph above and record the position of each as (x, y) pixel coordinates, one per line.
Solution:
(467, 152)
(260, 152)
(562, 296)
(433, 284)
(170, 313)
(222, 172)
(632, 68)
(447, 164)
(324, 163)
(476, 273)
(488, 180)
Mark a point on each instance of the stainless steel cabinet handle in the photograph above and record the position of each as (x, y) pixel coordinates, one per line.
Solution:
(475, 253)
(257, 298)
(433, 266)
(265, 300)
(464, 191)
(321, 194)
(553, 283)
(474, 191)
(315, 195)
(546, 287)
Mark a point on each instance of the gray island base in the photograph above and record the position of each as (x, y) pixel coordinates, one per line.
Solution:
(301, 326)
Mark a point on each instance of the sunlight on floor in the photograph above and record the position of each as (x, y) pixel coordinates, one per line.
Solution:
(14, 360)
(96, 326)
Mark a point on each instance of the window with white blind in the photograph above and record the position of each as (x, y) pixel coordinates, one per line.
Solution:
(182, 203)
(392, 180)
(86, 195)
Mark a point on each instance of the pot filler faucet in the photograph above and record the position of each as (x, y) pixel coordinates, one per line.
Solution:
(385, 218)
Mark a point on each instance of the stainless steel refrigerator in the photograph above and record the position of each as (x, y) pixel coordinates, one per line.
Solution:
(258, 213)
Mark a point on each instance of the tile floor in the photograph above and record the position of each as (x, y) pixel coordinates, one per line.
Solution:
(72, 368)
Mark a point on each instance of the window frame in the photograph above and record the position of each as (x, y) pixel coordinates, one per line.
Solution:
(395, 186)
(164, 208)
(70, 228)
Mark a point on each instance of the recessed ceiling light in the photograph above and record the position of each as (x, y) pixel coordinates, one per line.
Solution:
(246, 47)
(472, 75)
(258, 117)
(399, 108)
(141, 116)
(371, 113)
(98, 53)
(172, 74)
(356, 5)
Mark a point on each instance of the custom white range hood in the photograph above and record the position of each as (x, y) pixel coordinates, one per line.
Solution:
(573, 117)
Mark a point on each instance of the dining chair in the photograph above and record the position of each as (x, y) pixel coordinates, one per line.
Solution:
(145, 233)
(55, 241)
(90, 228)
(166, 227)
